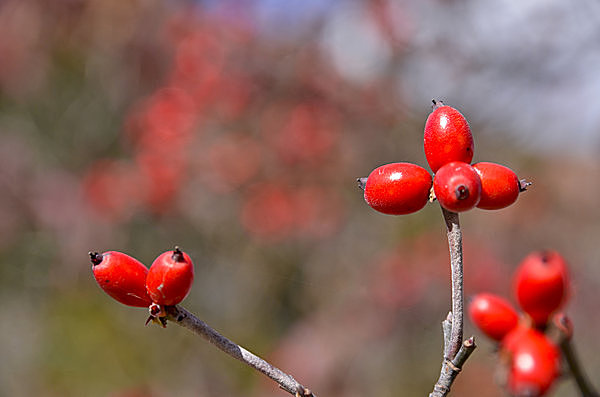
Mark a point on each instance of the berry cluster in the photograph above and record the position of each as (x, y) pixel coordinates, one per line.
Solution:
(533, 360)
(403, 188)
(128, 281)
(258, 143)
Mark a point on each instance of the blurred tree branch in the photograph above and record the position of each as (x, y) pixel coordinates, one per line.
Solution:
(560, 331)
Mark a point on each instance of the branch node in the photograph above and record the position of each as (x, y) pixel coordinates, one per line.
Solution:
(453, 367)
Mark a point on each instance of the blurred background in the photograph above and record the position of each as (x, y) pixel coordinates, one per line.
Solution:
(236, 130)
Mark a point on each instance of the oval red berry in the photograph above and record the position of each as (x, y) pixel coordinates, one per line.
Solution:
(398, 188)
(457, 186)
(493, 315)
(534, 362)
(447, 138)
(170, 277)
(541, 284)
(122, 277)
(500, 186)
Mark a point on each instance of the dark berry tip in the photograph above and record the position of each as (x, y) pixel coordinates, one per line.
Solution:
(154, 309)
(177, 254)
(95, 257)
(436, 104)
(362, 182)
(545, 256)
(462, 192)
(524, 184)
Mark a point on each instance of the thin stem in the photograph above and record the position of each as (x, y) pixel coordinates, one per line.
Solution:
(560, 331)
(456, 352)
(456, 268)
(585, 387)
(451, 368)
(184, 318)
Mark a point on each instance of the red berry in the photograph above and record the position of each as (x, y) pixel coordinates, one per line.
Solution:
(170, 277)
(398, 188)
(511, 339)
(447, 137)
(493, 315)
(122, 277)
(500, 186)
(534, 362)
(541, 284)
(457, 186)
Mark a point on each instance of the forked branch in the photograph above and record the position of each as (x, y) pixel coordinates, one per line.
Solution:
(456, 352)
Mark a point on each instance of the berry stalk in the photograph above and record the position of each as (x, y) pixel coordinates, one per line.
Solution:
(185, 319)
(561, 331)
(585, 387)
(456, 352)
(456, 267)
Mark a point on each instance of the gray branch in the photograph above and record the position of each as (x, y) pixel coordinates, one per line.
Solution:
(455, 351)
(560, 331)
(456, 267)
(451, 368)
(583, 384)
(184, 318)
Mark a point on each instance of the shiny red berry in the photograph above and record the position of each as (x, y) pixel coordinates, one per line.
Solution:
(398, 188)
(447, 137)
(534, 362)
(541, 284)
(170, 277)
(500, 186)
(457, 186)
(122, 277)
(493, 315)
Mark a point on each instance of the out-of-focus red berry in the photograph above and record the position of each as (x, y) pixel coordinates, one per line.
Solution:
(493, 315)
(122, 277)
(234, 159)
(534, 362)
(500, 186)
(112, 188)
(447, 137)
(315, 217)
(166, 118)
(268, 212)
(457, 186)
(170, 277)
(304, 133)
(541, 284)
(161, 175)
(398, 188)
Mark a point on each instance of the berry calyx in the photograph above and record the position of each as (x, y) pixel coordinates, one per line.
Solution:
(447, 137)
(122, 277)
(563, 325)
(170, 277)
(457, 186)
(500, 186)
(157, 315)
(397, 188)
(534, 362)
(541, 284)
(493, 315)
